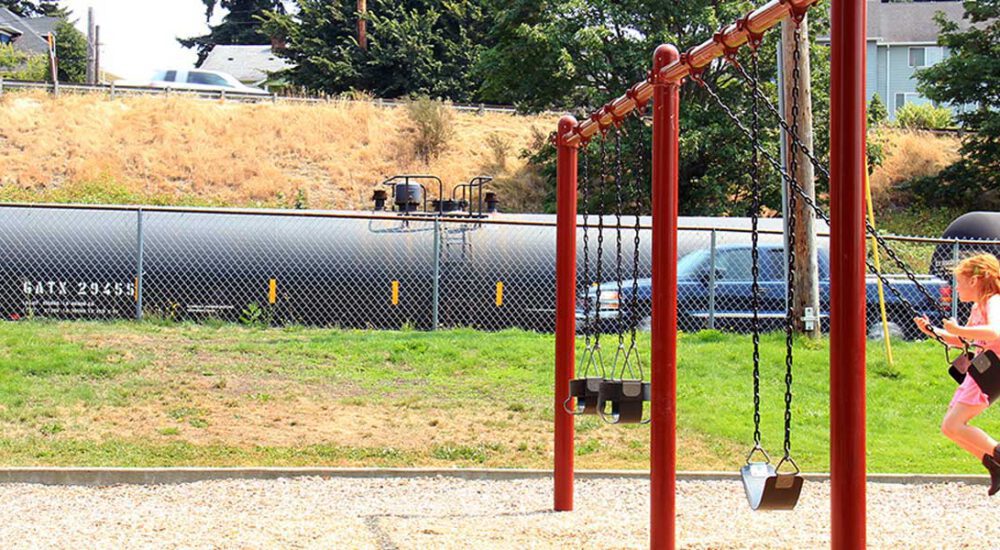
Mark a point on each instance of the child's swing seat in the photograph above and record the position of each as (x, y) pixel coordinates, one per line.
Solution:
(985, 370)
(585, 390)
(766, 489)
(626, 398)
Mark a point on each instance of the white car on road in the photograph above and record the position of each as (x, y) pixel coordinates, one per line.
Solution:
(195, 80)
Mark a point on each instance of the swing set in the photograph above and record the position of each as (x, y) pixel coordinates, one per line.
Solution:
(613, 386)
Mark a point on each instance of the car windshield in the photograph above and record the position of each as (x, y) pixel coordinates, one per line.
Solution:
(687, 267)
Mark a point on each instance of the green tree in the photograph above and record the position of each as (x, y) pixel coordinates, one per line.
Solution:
(970, 77)
(415, 47)
(71, 49)
(585, 53)
(877, 112)
(30, 8)
(241, 25)
(18, 65)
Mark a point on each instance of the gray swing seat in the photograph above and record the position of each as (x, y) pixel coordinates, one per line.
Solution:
(625, 399)
(586, 391)
(766, 489)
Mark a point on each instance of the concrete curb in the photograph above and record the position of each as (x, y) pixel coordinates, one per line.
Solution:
(165, 476)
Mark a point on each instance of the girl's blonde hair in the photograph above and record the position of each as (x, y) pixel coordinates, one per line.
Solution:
(985, 268)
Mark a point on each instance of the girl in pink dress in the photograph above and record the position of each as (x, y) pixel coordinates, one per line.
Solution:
(978, 281)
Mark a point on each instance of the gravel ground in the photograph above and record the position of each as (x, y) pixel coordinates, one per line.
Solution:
(385, 513)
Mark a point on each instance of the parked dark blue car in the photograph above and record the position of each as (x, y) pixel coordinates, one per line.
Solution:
(725, 303)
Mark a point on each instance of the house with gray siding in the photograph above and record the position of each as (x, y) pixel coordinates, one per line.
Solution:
(902, 39)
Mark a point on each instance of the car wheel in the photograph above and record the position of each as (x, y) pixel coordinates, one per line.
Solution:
(645, 324)
(876, 332)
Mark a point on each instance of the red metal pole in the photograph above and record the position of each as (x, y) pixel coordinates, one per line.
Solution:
(663, 451)
(565, 310)
(847, 276)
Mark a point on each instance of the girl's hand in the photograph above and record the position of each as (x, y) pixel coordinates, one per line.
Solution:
(923, 324)
(951, 326)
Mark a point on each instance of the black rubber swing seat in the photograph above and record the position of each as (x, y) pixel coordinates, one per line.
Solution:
(626, 398)
(766, 489)
(985, 370)
(586, 391)
(960, 366)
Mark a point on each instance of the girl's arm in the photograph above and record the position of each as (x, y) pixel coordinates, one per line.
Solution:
(924, 324)
(987, 332)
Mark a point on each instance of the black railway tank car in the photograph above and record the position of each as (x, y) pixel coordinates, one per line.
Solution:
(349, 269)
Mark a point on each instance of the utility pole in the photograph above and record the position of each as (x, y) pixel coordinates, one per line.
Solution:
(97, 54)
(805, 308)
(53, 62)
(91, 48)
(362, 30)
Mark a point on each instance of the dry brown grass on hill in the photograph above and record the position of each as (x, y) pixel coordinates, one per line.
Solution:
(180, 150)
(910, 154)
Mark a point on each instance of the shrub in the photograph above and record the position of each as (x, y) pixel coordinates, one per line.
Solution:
(877, 112)
(434, 121)
(17, 65)
(923, 117)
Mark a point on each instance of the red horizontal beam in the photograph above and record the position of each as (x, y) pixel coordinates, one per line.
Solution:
(729, 38)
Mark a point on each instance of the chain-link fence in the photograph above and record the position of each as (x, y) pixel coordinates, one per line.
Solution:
(382, 270)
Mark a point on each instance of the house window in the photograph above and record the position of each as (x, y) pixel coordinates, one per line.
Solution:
(900, 100)
(918, 57)
(4, 38)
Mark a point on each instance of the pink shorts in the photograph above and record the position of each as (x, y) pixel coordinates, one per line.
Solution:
(968, 393)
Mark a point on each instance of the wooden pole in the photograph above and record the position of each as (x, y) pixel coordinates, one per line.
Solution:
(53, 63)
(806, 264)
(97, 54)
(362, 28)
(91, 47)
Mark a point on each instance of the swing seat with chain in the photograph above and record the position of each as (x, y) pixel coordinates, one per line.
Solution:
(983, 367)
(766, 489)
(585, 391)
(621, 401)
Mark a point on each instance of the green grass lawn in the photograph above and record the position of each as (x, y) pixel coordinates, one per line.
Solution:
(147, 394)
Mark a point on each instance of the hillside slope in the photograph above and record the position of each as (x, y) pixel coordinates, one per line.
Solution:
(186, 151)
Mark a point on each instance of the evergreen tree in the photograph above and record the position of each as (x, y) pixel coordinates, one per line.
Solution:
(970, 77)
(32, 8)
(71, 49)
(415, 47)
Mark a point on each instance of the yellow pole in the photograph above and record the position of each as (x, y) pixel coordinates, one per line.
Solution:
(878, 268)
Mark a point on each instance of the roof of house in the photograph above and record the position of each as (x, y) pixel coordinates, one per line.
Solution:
(899, 22)
(31, 39)
(249, 64)
(43, 25)
(908, 22)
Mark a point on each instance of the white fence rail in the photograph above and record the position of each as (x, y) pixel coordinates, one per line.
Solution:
(114, 90)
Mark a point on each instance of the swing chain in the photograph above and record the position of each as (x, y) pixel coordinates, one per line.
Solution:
(619, 177)
(600, 246)
(755, 264)
(588, 323)
(792, 205)
(637, 176)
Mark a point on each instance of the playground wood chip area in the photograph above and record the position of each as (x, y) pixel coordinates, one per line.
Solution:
(446, 512)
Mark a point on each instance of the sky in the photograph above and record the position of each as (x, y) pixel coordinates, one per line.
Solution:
(139, 37)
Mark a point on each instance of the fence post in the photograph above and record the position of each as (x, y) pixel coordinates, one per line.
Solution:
(436, 280)
(711, 282)
(112, 89)
(1, 85)
(140, 242)
(954, 281)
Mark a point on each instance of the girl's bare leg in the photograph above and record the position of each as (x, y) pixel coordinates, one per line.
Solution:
(956, 427)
